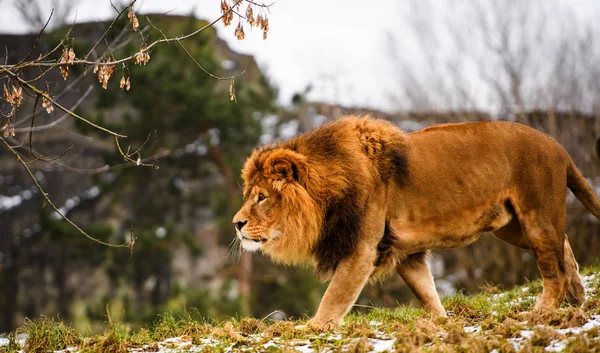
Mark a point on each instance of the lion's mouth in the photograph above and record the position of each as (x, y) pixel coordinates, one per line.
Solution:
(254, 240)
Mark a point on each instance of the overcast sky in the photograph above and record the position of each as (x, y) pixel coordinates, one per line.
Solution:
(338, 46)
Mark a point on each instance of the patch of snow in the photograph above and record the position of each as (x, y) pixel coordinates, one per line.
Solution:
(21, 338)
(305, 348)
(160, 232)
(498, 296)
(445, 287)
(92, 192)
(526, 334)
(270, 344)
(10, 202)
(472, 329)
(228, 64)
(516, 342)
(289, 129)
(319, 120)
(380, 345)
(556, 346)
(589, 282)
(589, 325)
(39, 176)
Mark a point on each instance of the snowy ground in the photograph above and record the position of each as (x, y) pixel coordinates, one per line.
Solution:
(379, 340)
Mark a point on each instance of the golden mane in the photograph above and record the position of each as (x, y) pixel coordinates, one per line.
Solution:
(324, 178)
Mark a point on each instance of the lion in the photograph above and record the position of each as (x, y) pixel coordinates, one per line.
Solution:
(359, 199)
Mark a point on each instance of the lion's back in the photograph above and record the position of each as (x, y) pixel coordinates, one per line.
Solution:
(356, 144)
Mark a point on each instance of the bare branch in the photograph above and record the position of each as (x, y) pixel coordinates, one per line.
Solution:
(49, 201)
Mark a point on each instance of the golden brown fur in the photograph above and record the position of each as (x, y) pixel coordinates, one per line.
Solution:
(360, 199)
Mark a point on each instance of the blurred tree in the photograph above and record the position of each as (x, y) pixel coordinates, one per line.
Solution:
(533, 62)
(176, 107)
(188, 115)
(506, 56)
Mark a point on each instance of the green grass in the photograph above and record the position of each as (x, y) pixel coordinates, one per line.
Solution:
(497, 318)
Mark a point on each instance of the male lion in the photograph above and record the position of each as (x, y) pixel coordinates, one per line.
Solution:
(360, 199)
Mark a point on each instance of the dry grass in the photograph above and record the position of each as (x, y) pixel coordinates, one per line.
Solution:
(492, 321)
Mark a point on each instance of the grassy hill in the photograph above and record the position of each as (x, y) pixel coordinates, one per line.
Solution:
(491, 322)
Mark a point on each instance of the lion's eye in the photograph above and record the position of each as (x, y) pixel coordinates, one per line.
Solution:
(261, 197)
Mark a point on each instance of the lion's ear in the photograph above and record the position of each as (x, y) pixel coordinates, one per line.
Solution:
(286, 165)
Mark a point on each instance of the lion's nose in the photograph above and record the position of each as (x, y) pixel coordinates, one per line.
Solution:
(240, 225)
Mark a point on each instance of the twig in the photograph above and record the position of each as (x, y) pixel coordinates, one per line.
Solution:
(109, 28)
(109, 168)
(73, 114)
(57, 121)
(45, 195)
(191, 57)
(37, 40)
(128, 158)
(5, 68)
(37, 155)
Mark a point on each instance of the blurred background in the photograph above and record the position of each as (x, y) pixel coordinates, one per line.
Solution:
(416, 63)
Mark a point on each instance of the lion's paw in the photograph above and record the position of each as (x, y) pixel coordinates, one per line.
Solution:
(302, 328)
(315, 324)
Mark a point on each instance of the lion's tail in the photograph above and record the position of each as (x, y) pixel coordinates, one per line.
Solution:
(582, 190)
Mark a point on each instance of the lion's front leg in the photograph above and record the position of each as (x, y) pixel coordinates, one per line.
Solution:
(415, 272)
(348, 280)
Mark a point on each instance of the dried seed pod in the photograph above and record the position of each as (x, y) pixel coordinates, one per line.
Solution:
(105, 72)
(47, 104)
(239, 31)
(133, 19)
(9, 130)
(67, 57)
(142, 56)
(13, 96)
(227, 13)
(232, 91)
(250, 15)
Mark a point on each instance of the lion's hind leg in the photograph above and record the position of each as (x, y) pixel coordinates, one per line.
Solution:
(544, 230)
(575, 291)
(575, 287)
(415, 272)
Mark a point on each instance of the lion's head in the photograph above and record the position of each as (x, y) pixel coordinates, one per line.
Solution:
(278, 216)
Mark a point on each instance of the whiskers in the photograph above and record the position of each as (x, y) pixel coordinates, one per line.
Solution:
(235, 249)
(264, 236)
(275, 234)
